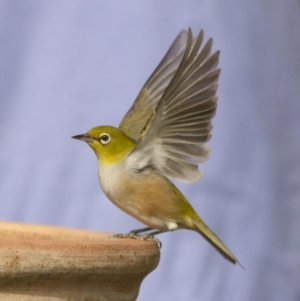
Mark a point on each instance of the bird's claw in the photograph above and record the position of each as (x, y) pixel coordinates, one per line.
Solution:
(146, 236)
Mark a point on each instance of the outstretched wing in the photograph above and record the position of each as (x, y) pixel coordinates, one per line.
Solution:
(144, 106)
(174, 139)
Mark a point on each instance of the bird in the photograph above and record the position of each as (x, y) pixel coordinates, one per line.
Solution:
(163, 135)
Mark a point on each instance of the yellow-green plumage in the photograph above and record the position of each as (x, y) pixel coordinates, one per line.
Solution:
(163, 135)
(114, 151)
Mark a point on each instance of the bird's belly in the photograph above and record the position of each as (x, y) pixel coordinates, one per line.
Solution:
(146, 198)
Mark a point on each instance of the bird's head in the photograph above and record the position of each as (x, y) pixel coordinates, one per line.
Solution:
(110, 144)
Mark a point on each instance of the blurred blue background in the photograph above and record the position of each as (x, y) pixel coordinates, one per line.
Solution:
(67, 66)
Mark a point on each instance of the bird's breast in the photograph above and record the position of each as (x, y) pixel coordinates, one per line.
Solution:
(111, 178)
(146, 196)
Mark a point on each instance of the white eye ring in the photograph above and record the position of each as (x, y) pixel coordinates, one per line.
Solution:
(104, 138)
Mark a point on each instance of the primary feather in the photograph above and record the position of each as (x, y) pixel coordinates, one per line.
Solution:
(173, 140)
(144, 106)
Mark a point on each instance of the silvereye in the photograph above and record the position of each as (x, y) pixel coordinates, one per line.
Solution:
(163, 135)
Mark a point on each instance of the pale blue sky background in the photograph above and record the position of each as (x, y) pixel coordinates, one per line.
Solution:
(66, 66)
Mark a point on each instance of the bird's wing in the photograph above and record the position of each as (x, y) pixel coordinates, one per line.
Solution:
(174, 139)
(144, 106)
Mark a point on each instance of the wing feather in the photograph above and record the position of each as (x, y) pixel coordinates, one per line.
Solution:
(144, 106)
(174, 138)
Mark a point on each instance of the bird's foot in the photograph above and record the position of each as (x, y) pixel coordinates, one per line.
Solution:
(147, 236)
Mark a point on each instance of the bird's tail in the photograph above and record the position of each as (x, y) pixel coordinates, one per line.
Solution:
(212, 238)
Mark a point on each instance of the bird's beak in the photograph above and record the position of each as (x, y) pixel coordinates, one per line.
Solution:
(84, 137)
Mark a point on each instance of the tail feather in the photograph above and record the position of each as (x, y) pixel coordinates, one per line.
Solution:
(212, 238)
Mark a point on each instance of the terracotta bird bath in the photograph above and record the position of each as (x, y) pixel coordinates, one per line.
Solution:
(52, 263)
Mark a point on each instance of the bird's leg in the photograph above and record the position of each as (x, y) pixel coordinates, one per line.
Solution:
(140, 230)
(146, 236)
(150, 236)
(132, 233)
(157, 232)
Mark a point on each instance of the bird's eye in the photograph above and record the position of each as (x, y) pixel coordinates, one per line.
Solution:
(104, 138)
